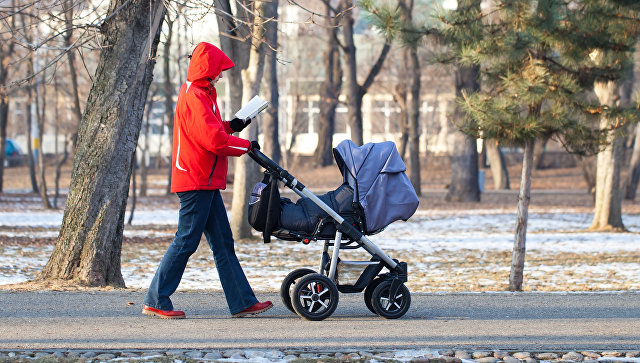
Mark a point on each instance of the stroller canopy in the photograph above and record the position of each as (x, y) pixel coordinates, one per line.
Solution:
(376, 173)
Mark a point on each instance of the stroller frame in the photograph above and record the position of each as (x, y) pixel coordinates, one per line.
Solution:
(385, 294)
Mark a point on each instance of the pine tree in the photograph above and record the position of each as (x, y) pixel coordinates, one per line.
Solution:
(537, 59)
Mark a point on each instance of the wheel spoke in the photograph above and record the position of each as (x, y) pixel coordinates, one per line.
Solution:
(311, 306)
(323, 304)
(323, 291)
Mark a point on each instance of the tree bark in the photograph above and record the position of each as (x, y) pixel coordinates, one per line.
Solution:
(633, 176)
(329, 94)
(270, 128)
(608, 208)
(519, 244)
(88, 248)
(464, 152)
(498, 165)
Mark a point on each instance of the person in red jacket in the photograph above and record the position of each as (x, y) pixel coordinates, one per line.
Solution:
(202, 141)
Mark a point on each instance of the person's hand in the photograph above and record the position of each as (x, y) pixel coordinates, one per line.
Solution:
(238, 124)
(254, 145)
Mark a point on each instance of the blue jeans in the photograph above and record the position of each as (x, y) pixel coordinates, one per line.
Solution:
(201, 211)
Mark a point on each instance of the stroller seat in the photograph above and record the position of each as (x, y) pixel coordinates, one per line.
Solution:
(305, 219)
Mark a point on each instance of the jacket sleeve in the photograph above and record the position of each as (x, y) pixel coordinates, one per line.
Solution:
(210, 132)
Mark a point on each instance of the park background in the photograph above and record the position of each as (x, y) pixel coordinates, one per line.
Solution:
(461, 238)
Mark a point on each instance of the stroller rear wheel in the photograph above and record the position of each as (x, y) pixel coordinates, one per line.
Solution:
(288, 282)
(314, 297)
(368, 292)
(382, 303)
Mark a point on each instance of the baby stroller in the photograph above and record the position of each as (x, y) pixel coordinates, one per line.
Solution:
(374, 193)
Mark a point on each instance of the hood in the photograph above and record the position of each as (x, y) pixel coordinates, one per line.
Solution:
(207, 61)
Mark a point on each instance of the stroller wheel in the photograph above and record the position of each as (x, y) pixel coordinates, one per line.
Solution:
(383, 305)
(368, 292)
(314, 297)
(288, 282)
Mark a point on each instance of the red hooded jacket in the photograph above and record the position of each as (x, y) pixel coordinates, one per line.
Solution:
(201, 139)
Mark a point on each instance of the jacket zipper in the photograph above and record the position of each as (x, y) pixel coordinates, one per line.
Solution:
(212, 169)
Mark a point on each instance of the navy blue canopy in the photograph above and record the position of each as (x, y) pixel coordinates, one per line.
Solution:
(376, 173)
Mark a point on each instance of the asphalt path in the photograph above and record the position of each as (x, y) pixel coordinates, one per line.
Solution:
(510, 321)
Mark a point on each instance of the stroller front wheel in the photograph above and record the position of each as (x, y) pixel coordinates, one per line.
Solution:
(383, 305)
(315, 297)
(288, 282)
(368, 292)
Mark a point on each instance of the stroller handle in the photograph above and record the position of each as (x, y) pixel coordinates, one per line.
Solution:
(275, 169)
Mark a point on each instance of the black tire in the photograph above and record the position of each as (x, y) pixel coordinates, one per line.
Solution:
(368, 292)
(288, 282)
(314, 297)
(380, 301)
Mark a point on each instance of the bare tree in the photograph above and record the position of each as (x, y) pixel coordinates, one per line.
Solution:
(89, 244)
(270, 119)
(168, 89)
(330, 90)
(354, 90)
(6, 56)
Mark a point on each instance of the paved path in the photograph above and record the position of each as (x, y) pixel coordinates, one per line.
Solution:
(525, 321)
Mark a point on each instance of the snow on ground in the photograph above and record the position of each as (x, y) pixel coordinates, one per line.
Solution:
(446, 251)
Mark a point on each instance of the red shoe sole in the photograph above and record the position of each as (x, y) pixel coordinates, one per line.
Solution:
(152, 313)
(245, 313)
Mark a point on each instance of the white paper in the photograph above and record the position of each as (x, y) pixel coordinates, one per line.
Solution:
(252, 108)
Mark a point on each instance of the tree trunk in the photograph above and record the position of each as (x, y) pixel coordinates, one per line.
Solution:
(29, 110)
(329, 94)
(633, 176)
(355, 91)
(67, 6)
(520, 242)
(144, 153)
(464, 153)
(88, 248)
(270, 128)
(40, 112)
(588, 166)
(4, 112)
(498, 165)
(134, 199)
(538, 152)
(608, 208)
(354, 99)
(400, 97)
(413, 113)
(168, 93)
(6, 57)
(246, 170)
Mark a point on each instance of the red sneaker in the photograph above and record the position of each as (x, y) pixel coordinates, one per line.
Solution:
(255, 309)
(165, 314)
